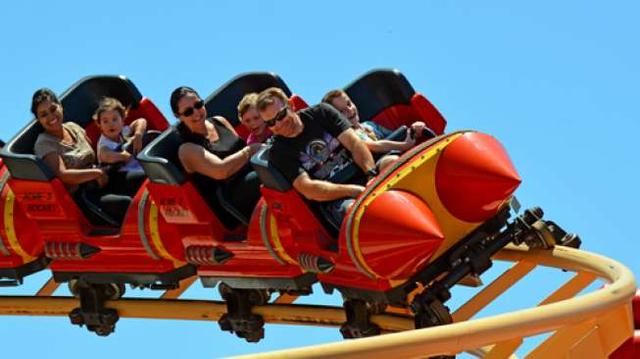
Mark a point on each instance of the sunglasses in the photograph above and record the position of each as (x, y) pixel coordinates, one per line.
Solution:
(278, 117)
(189, 111)
(52, 109)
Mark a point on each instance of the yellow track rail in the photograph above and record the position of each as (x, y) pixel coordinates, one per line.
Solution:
(590, 325)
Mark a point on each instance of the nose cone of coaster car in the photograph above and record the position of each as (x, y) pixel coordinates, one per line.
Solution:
(398, 233)
(431, 199)
(474, 176)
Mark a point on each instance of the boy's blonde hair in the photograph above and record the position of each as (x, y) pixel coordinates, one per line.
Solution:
(248, 101)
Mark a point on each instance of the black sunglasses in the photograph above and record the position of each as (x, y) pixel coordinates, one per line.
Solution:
(189, 111)
(278, 117)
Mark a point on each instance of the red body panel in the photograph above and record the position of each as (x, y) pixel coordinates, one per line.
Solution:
(636, 310)
(26, 235)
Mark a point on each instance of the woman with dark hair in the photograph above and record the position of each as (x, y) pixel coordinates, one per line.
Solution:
(66, 150)
(216, 156)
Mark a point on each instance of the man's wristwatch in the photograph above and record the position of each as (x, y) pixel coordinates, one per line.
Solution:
(372, 172)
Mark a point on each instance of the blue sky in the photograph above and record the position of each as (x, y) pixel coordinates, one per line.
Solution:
(555, 82)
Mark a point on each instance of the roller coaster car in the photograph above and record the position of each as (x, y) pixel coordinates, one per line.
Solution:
(91, 250)
(213, 231)
(435, 217)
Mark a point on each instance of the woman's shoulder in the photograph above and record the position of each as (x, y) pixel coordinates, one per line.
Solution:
(72, 126)
(45, 144)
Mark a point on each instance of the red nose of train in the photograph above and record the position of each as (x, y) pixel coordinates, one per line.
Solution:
(474, 176)
(397, 233)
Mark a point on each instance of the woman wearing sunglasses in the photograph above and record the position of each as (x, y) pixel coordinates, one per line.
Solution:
(66, 150)
(214, 153)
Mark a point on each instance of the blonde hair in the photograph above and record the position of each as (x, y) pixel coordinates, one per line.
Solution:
(248, 101)
(109, 104)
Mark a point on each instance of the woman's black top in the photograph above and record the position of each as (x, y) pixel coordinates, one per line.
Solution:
(227, 144)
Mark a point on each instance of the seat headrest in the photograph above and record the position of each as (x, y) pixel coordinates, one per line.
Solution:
(379, 89)
(224, 101)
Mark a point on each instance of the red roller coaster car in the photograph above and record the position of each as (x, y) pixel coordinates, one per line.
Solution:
(420, 227)
(91, 250)
(435, 217)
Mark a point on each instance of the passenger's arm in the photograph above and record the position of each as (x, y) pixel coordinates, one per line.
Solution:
(195, 158)
(106, 155)
(318, 190)
(69, 175)
(357, 147)
(138, 128)
(383, 146)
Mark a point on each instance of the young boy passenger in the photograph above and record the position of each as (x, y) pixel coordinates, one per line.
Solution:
(250, 118)
(372, 133)
(118, 145)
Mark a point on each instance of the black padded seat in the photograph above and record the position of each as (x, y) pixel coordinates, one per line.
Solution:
(79, 103)
(224, 100)
(269, 175)
(160, 159)
(379, 89)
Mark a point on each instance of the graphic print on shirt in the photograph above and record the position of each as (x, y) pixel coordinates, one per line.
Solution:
(324, 157)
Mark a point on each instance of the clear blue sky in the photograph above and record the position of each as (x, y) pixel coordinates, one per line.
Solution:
(556, 82)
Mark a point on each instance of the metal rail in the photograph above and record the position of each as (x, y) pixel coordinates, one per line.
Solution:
(591, 325)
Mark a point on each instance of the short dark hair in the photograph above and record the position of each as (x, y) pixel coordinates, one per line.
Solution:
(109, 104)
(42, 95)
(179, 93)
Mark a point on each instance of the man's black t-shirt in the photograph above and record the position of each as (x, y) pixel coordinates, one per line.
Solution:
(316, 150)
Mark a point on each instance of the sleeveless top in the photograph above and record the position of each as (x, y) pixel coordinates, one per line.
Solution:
(227, 144)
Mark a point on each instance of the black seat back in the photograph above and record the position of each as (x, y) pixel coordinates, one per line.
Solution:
(379, 89)
(269, 175)
(79, 103)
(160, 159)
(224, 100)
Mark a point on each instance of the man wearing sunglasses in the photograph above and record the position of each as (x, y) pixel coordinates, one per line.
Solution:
(311, 147)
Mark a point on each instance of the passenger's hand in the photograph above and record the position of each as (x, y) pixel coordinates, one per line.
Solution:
(136, 142)
(409, 140)
(255, 147)
(126, 156)
(356, 190)
(103, 178)
(417, 128)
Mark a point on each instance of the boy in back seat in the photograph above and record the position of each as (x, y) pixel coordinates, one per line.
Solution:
(372, 133)
(250, 118)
